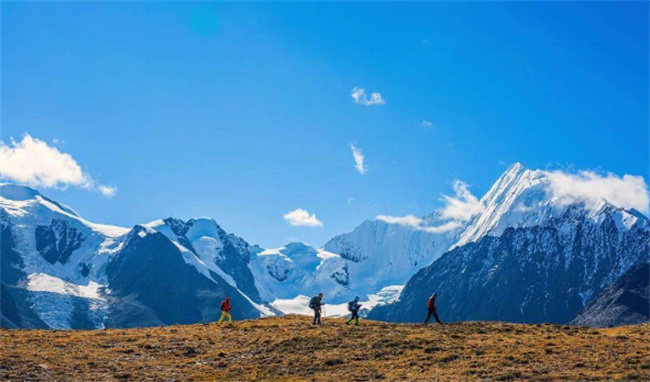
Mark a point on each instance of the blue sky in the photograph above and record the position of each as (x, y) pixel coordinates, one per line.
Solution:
(243, 111)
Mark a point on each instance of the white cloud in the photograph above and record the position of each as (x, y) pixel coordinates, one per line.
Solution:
(107, 191)
(457, 209)
(426, 124)
(462, 205)
(33, 162)
(360, 97)
(418, 223)
(300, 217)
(408, 220)
(449, 226)
(358, 159)
(628, 191)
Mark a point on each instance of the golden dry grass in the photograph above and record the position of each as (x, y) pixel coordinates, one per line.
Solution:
(289, 349)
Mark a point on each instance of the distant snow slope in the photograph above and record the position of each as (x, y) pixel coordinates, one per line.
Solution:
(378, 254)
(298, 269)
(300, 303)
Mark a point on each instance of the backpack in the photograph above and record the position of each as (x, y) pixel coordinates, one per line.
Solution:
(313, 303)
(351, 306)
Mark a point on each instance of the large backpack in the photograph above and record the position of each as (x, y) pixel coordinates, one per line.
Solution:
(352, 305)
(313, 303)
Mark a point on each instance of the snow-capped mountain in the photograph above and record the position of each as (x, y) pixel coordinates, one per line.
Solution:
(524, 198)
(61, 271)
(379, 254)
(296, 269)
(529, 252)
(530, 255)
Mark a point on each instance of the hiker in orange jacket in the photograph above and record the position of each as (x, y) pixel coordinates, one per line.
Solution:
(225, 311)
(432, 309)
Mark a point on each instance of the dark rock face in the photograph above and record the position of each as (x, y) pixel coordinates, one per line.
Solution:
(342, 277)
(538, 274)
(234, 259)
(10, 260)
(279, 273)
(624, 302)
(15, 312)
(84, 269)
(155, 286)
(57, 241)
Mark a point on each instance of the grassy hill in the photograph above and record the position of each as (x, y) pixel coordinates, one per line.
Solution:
(290, 349)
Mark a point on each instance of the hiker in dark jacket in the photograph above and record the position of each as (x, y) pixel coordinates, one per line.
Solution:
(316, 304)
(432, 309)
(225, 311)
(353, 307)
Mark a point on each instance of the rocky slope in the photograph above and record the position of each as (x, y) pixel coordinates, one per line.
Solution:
(624, 302)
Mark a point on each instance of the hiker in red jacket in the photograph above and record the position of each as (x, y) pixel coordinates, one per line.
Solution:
(225, 311)
(432, 309)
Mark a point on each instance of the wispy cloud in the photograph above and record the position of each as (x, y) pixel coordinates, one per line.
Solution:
(418, 223)
(462, 205)
(32, 161)
(360, 97)
(358, 159)
(426, 124)
(628, 191)
(456, 211)
(408, 220)
(302, 218)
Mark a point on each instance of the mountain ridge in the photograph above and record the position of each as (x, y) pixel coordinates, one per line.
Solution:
(50, 253)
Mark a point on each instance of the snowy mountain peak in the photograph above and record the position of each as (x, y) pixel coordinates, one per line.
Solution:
(297, 247)
(30, 207)
(16, 199)
(522, 197)
(513, 170)
(17, 192)
(203, 227)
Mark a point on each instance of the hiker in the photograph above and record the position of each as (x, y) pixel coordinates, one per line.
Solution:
(353, 307)
(432, 309)
(316, 303)
(225, 311)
